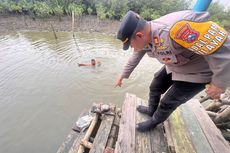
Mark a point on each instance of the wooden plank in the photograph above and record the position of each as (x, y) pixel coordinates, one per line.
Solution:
(169, 137)
(151, 141)
(194, 130)
(179, 134)
(67, 144)
(99, 143)
(73, 139)
(158, 140)
(142, 142)
(213, 135)
(126, 136)
(76, 144)
(114, 130)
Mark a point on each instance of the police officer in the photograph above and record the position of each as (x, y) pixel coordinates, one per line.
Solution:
(194, 52)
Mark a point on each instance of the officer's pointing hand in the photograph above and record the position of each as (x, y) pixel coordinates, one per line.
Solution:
(119, 82)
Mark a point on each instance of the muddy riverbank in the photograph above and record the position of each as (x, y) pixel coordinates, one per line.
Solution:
(11, 23)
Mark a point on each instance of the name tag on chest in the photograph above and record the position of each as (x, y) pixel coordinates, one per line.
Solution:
(166, 56)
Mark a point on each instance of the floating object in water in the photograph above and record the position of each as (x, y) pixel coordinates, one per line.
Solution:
(82, 123)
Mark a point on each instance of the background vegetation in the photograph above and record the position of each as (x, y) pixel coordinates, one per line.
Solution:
(111, 9)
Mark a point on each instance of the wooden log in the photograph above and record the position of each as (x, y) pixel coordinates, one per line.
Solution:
(88, 133)
(225, 102)
(214, 106)
(226, 134)
(211, 114)
(223, 116)
(86, 144)
(225, 125)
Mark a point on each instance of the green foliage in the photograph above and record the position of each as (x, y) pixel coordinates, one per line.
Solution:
(220, 15)
(57, 10)
(2, 8)
(149, 14)
(90, 6)
(89, 10)
(76, 8)
(15, 7)
(42, 9)
(117, 9)
(101, 11)
(112, 9)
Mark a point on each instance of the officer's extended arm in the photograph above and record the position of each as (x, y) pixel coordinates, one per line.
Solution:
(130, 66)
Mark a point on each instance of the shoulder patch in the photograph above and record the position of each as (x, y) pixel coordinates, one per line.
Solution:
(203, 38)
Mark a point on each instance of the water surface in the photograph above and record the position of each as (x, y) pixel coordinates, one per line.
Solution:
(42, 89)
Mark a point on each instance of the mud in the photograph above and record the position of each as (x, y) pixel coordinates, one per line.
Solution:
(11, 23)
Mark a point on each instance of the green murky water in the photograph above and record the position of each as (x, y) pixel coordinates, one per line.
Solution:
(42, 89)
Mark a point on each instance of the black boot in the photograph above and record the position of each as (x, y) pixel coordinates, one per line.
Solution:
(147, 125)
(147, 110)
(154, 99)
(160, 115)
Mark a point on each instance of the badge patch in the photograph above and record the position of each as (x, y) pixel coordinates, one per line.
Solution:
(203, 38)
(162, 45)
(186, 33)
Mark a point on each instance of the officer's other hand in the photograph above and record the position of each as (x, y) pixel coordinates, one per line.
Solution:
(213, 91)
(118, 82)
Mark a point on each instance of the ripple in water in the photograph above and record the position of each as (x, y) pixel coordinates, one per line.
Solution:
(42, 89)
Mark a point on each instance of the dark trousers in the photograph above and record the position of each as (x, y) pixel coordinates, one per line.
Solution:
(178, 92)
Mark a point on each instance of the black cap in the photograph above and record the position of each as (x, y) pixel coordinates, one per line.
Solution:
(127, 28)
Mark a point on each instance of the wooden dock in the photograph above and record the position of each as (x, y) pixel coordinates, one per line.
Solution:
(188, 130)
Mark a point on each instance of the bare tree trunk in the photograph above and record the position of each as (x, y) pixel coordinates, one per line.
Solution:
(54, 31)
(73, 22)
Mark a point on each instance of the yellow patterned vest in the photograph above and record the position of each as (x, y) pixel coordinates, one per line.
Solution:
(203, 38)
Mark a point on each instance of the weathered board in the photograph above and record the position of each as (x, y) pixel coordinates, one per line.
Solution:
(188, 130)
(212, 133)
(194, 130)
(181, 140)
(191, 130)
(132, 141)
(71, 144)
(126, 138)
(143, 143)
(99, 143)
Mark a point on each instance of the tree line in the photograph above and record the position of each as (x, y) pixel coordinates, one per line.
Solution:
(110, 9)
